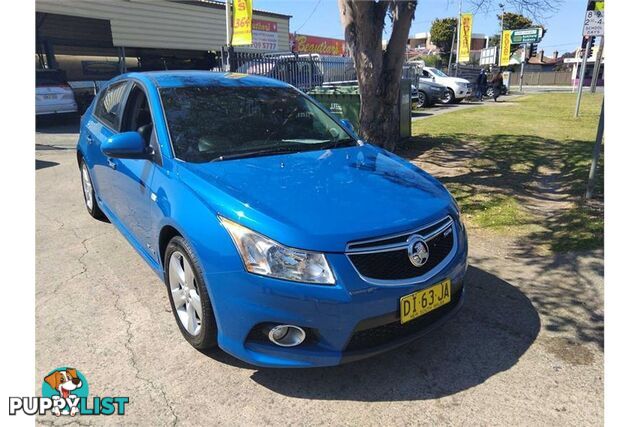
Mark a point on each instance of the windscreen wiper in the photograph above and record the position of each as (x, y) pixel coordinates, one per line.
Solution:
(344, 142)
(255, 153)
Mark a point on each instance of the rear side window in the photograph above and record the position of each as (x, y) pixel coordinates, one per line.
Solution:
(108, 105)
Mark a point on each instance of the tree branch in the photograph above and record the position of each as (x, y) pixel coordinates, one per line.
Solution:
(402, 13)
(539, 10)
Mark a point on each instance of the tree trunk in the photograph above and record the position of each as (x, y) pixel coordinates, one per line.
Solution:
(378, 71)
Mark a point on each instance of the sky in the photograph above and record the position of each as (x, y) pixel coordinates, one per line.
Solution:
(320, 18)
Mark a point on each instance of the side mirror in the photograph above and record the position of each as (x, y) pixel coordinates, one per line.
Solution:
(346, 123)
(127, 145)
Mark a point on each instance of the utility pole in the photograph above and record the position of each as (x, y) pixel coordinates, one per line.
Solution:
(501, 6)
(596, 66)
(583, 68)
(453, 40)
(523, 59)
(596, 154)
(227, 15)
(458, 37)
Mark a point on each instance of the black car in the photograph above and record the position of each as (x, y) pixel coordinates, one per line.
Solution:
(430, 93)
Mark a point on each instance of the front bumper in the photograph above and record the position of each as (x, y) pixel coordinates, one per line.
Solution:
(344, 322)
(464, 92)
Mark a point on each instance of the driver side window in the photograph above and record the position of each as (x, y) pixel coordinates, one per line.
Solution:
(137, 118)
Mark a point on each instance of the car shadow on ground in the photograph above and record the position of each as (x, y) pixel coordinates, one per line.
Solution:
(495, 327)
(42, 164)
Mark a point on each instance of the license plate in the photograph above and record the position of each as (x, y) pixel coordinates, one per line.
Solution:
(419, 303)
(50, 96)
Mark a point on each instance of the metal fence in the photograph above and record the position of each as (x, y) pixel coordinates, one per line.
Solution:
(303, 71)
(542, 78)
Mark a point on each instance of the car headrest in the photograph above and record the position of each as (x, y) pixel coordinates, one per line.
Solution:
(145, 132)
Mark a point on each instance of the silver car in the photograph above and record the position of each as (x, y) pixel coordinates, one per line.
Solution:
(53, 93)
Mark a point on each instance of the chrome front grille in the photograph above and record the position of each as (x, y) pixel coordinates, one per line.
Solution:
(386, 260)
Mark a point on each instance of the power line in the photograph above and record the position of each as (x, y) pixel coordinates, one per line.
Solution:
(308, 17)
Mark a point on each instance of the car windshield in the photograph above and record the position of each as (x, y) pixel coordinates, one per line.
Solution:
(438, 72)
(209, 123)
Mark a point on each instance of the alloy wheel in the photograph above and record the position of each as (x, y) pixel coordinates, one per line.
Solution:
(184, 293)
(422, 99)
(448, 97)
(87, 187)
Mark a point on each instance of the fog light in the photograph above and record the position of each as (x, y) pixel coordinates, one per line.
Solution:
(286, 335)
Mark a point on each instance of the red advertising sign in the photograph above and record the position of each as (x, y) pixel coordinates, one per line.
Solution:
(260, 25)
(321, 45)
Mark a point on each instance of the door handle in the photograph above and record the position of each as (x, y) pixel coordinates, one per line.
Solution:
(111, 163)
(89, 138)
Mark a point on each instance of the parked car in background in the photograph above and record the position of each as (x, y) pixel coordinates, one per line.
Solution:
(457, 88)
(269, 220)
(53, 93)
(430, 93)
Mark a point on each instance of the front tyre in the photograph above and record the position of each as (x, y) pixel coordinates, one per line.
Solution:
(188, 294)
(449, 97)
(89, 193)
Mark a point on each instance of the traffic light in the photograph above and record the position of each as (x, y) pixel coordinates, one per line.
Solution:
(533, 50)
(585, 41)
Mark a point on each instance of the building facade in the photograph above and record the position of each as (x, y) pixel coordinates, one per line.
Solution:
(142, 34)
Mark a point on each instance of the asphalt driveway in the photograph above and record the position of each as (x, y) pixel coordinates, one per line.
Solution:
(526, 349)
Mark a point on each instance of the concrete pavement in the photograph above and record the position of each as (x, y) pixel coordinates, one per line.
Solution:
(527, 348)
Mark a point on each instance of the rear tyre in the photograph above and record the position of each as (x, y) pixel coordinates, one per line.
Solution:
(449, 97)
(490, 92)
(188, 295)
(423, 99)
(89, 193)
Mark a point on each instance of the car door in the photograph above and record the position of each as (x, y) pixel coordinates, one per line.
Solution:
(103, 123)
(131, 178)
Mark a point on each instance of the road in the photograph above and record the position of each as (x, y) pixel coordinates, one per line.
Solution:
(526, 349)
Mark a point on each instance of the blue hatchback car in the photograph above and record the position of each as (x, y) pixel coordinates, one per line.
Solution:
(282, 237)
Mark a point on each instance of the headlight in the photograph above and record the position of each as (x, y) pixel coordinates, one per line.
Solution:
(266, 257)
(456, 206)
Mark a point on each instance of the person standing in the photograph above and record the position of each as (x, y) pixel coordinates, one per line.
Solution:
(481, 84)
(497, 82)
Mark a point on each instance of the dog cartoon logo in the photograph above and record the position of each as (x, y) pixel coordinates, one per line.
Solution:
(65, 391)
(67, 384)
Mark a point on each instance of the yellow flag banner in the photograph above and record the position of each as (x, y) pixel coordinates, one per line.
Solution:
(466, 21)
(505, 49)
(242, 15)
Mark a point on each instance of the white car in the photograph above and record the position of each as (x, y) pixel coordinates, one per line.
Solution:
(457, 88)
(53, 93)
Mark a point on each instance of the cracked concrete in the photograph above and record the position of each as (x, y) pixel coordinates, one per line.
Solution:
(527, 348)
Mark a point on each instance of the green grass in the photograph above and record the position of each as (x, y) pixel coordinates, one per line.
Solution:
(516, 160)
